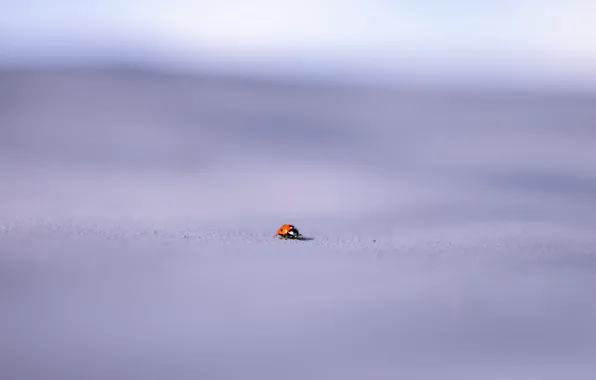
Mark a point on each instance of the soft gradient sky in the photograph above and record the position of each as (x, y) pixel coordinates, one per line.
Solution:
(554, 33)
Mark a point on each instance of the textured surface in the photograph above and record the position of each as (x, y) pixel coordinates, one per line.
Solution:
(453, 236)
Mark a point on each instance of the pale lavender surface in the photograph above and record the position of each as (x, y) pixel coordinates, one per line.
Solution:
(453, 234)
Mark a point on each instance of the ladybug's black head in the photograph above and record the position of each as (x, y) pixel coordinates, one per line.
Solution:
(293, 232)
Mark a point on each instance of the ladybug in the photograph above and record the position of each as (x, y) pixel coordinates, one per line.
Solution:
(288, 231)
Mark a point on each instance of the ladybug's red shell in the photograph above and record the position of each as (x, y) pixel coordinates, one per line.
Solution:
(283, 230)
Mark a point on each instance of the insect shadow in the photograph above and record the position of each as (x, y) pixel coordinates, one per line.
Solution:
(301, 238)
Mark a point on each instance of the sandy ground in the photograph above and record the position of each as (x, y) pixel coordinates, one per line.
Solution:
(453, 233)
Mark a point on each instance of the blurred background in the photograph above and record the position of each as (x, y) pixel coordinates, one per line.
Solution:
(453, 142)
(269, 110)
